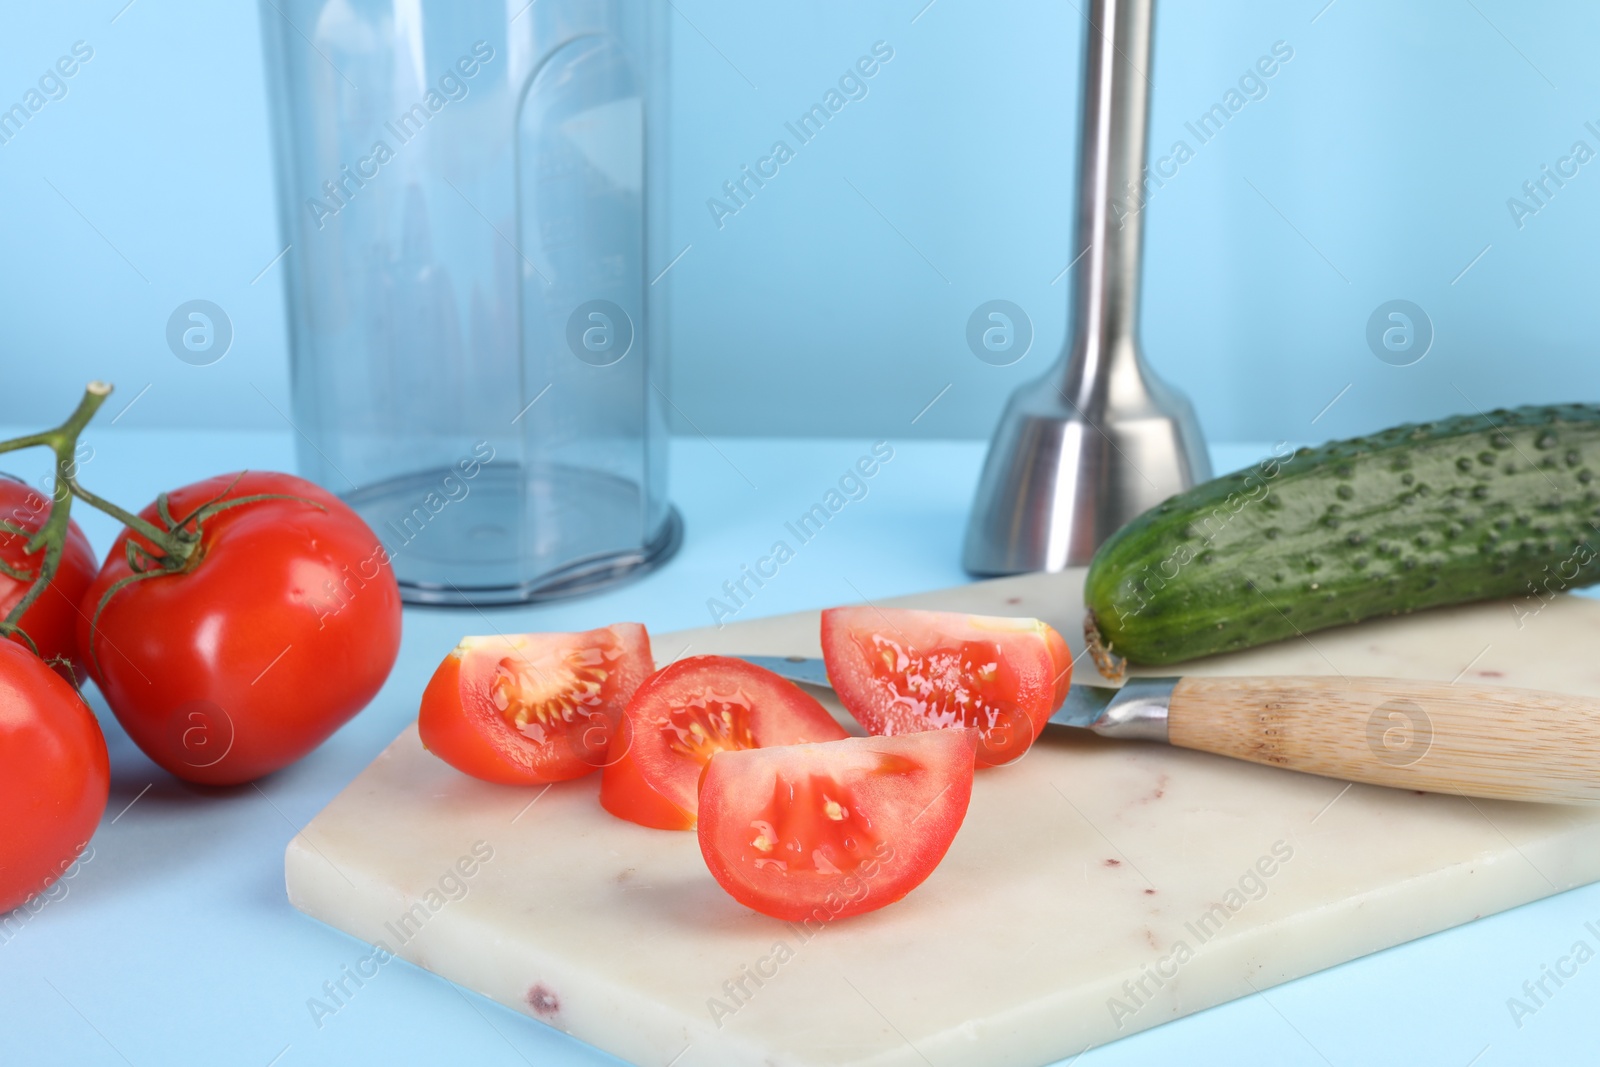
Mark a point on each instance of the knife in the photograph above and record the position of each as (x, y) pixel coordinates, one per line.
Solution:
(1471, 740)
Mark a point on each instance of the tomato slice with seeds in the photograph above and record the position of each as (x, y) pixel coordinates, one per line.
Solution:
(820, 832)
(690, 711)
(899, 670)
(533, 708)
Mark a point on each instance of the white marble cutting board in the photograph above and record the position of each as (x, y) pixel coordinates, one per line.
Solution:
(1097, 888)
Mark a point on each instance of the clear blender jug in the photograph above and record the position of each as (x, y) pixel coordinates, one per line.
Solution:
(469, 196)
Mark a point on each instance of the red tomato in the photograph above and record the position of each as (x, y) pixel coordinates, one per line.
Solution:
(821, 832)
(285, 627)
(533, 708)
(899, 671)
(54, 775)
(687, 712)
(52, 620)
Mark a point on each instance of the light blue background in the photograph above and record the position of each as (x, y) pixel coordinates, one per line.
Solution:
(1377, 167)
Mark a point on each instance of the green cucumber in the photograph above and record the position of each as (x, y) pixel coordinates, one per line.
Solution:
(1468, 508)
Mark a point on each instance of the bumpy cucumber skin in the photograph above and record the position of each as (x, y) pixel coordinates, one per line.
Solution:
(1468, 508)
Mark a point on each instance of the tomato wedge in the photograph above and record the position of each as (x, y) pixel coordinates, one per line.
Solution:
(899, 671)
(821, 832)
(690, 711)
(533, 708)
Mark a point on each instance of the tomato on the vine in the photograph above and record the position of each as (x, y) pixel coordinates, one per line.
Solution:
(533, 708)
(283, 624)
(52, 620)
(54, 775)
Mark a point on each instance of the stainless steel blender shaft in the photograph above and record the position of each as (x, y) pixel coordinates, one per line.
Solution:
(1099, 438)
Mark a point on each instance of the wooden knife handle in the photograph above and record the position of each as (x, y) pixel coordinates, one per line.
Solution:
(1482, 741)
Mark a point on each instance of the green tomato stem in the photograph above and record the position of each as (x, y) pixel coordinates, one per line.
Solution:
(51, 537)
(177, 544)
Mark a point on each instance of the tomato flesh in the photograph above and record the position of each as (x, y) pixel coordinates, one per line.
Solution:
(54, 775)
(819, 832)
(686, 714)
(899, 670)
(533, 708)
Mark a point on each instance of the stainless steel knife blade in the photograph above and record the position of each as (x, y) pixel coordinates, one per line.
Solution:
(1137, 710)
(807, 669)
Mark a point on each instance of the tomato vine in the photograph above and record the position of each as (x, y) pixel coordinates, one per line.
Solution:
(176, 542)
(51, 537)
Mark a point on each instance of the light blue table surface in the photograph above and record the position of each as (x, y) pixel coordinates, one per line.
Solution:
(174, 943)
